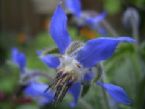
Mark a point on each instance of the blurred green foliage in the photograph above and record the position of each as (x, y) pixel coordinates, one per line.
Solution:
(114, 6)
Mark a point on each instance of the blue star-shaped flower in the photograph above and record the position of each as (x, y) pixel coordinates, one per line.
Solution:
(78, 58)
(85, 18)
(33, 89)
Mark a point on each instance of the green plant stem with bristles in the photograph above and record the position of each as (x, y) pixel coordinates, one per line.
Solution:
(135, 58)
(109, 28)
(105, 100)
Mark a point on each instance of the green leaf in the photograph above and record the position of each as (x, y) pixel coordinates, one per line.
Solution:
(28, 106)
(112, 6)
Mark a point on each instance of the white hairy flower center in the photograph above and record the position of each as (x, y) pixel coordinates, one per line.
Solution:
(71, 65)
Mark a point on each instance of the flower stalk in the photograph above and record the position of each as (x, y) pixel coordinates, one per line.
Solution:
(105, 101)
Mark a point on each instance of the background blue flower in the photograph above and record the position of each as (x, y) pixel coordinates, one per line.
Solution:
(86, 18)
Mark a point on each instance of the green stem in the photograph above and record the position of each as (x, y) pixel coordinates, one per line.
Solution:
(135, 30)
(136, 57)
(105, 100)
(110, 29)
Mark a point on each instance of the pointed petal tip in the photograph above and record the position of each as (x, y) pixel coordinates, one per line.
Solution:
(127, 39)
(50, 60)
(18, 58)
(60, 36)
(75, 91)
(117, 93)
(100, 49)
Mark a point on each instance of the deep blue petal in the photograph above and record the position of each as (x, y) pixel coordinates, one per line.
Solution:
(37, 92)
(50, 60)
(75, 90)
(58, 29)
(99, 49)
(19, 59)
(94, 21)
(116, 92)
(74, 6)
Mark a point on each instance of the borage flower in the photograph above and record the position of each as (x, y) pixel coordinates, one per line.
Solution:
(85, 18)
(76, 59)
(29, 84)
(19, 59)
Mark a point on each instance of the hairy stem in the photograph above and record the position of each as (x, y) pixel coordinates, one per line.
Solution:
(105, 101)
(85, 104)
(109, 28)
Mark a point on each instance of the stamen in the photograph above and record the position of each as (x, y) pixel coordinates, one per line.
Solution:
(60, 85)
